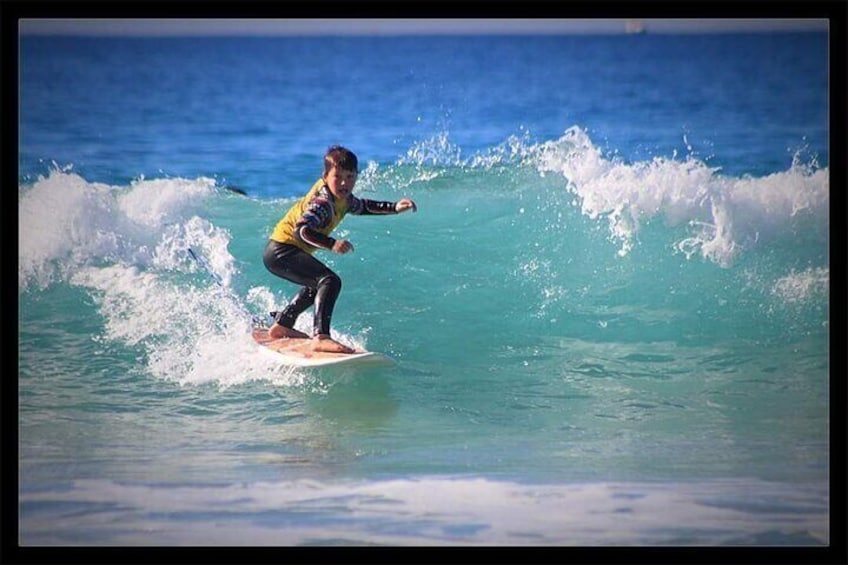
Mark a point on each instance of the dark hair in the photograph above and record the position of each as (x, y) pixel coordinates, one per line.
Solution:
(341, 157)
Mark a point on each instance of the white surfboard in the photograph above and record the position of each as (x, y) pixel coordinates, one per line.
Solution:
(298, 352)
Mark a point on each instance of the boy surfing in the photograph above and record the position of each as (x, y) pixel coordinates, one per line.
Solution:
(305, 228)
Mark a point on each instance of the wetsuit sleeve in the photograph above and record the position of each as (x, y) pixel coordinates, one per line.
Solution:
(315, 238)
(365, 207)
(318, 214)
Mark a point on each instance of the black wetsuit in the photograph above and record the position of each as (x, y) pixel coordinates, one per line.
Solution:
(304, 229)
(321, 286)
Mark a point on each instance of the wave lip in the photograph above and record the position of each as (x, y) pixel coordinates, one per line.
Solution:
(724, 215)
(66, 222)
(721, 216)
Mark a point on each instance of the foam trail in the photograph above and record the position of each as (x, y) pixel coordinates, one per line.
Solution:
(189, 335)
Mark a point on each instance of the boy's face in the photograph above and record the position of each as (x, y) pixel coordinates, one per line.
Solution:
(340, 181)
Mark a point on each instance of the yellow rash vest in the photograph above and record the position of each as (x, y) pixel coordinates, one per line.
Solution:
(308, 224)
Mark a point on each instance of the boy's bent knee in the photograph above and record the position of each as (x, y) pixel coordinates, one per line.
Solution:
(331, 281)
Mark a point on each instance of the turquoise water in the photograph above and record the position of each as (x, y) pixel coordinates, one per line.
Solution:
(601, 337)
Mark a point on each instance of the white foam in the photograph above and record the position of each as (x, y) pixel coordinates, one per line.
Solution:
(724, 215)
(66, 222)
(154, 203)
(63, 217)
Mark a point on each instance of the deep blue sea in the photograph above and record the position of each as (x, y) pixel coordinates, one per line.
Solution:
(609, 316)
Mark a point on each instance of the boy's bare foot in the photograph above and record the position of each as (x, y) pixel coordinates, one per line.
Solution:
(276, 331)
(327, 344)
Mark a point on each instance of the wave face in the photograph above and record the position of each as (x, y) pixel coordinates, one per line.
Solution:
(526, 236)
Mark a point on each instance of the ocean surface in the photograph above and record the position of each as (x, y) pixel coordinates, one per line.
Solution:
(609, 316)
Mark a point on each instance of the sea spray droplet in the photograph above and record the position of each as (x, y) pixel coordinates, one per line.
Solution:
(797, 287)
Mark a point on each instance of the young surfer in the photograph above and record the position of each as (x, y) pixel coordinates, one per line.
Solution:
(305, 228)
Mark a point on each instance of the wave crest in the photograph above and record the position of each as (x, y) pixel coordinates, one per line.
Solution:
(724, 215)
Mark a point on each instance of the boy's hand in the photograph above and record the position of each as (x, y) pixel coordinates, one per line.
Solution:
(404, 205)
(342, 246)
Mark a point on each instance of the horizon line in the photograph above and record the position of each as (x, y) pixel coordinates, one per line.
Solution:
(218, 27)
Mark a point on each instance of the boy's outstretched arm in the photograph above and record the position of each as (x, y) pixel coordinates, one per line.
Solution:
(365, 206)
